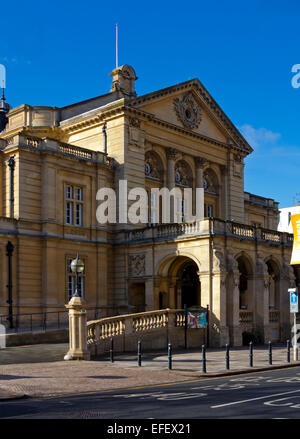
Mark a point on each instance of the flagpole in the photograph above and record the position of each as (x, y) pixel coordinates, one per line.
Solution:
(117, 48)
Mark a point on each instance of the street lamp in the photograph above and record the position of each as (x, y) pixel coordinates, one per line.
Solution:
(77, 267)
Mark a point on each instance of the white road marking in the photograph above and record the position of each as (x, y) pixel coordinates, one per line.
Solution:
(253, 399)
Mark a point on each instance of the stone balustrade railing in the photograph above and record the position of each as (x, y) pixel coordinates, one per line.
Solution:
(274, 315)
(55, 145)
(154, 328)
(210, 226)
(246, 316)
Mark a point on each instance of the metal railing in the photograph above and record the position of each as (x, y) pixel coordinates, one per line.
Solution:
(48, 320)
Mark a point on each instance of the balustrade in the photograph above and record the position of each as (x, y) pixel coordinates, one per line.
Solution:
(246, 316)
(274, 315)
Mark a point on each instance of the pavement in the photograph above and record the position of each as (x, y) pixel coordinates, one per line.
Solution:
(39, 371)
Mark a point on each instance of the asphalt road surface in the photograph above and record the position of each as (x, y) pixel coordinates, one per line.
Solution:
(265, 395)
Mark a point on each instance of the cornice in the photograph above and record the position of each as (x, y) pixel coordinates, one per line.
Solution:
(92, 117)
(148, 117)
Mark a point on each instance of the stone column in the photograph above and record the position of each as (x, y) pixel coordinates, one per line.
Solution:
(171, 157)
(149, 294)
(220, 332)
(77, 330)
(233, 300)
(172, 292)
(261, 299)
(200, 164)
(223, 203)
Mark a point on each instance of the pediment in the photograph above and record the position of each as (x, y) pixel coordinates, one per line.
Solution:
(190, 107)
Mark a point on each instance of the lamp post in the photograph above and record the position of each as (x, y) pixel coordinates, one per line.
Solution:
(77, 319)
(77, 267)
(9, 249)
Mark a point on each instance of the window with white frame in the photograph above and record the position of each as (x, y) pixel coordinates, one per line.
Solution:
(73, 205)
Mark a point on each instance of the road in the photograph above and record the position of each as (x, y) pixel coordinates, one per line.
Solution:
(265, 395)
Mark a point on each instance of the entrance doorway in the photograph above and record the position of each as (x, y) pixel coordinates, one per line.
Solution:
(190, 285)
(137, 297)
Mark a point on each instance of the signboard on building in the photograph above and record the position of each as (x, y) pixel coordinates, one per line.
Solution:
(293, 300)
(196, 319)
(295, 219)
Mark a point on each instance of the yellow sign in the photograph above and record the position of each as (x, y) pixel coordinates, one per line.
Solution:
(296, 246)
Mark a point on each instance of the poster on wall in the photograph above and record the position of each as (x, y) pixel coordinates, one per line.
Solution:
(196, 319)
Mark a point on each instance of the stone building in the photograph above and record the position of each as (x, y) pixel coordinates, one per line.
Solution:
(54, 160)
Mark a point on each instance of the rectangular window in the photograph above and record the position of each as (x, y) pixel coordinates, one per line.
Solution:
(69, 192)
(78, 194)
(78, 221)
(74, 205)
(209, 210)
(69, 212)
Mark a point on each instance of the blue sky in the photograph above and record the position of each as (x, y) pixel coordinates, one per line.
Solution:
(61, 52)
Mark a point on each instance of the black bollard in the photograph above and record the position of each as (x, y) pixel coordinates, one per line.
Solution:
(270, 352)
(169, 356)
(288, 351)
(111, 351)
(251, 354)
(139, 353)
(227, 357)
(203, 359)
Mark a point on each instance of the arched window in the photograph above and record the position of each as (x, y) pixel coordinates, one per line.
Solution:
(153, 166)
(210, 182)
(183, 174)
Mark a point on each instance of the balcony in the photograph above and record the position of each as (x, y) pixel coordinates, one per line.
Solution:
(210, 226)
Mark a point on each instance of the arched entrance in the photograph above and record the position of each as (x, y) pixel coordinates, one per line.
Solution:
(188, 281)
(177, 283)
(245, 271)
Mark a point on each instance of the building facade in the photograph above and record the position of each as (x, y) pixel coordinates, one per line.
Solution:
(54, 161)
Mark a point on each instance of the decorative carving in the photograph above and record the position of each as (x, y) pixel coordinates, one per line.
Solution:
(238, 158)
(135, 122)
(218, 261)
(136, 265)
(183, 174)
(188, 111)
(171, 153)
(210, 182)
(232, 264)
(153, 166)
(200, 162)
